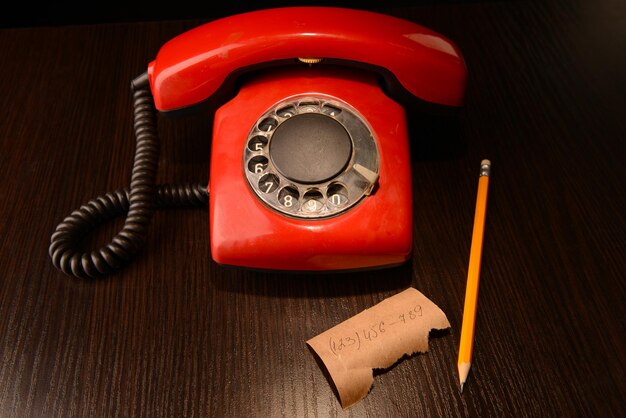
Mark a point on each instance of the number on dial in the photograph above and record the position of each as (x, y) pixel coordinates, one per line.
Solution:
(257, 164)
(288, 197)
(257, 143)
(313, 201)
(337, 194)
(268, 183)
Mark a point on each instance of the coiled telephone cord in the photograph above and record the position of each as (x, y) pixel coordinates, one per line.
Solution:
(139, 203)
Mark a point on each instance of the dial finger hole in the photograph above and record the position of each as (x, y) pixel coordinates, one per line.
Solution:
(308, 107)
(257, 143)
(286, 112)
(288, 197)
(337, 194)
(268, 183)
(312, 201)
(330, 110)
(268, 124)
(257, 164)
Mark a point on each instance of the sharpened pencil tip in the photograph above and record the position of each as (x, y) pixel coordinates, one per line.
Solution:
(464, 369)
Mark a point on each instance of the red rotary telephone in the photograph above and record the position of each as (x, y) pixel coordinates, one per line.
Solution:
(310, 164)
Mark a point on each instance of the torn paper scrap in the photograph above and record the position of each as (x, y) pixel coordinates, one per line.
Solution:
(375, 339)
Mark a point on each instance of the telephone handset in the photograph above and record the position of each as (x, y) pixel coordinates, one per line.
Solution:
(310, 164)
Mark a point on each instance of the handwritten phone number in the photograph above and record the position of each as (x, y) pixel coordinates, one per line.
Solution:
(360, 337)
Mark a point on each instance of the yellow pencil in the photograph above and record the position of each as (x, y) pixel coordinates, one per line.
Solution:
(473, 275)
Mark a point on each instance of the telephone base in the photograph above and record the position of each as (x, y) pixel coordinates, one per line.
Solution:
(246, 232)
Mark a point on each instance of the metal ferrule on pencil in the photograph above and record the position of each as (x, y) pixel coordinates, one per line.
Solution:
(485, 168)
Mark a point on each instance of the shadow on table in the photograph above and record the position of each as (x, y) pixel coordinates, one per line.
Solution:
(313, 284)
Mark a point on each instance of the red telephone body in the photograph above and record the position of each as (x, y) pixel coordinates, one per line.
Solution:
(314, 98)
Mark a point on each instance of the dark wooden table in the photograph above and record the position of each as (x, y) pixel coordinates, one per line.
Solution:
(174, 334)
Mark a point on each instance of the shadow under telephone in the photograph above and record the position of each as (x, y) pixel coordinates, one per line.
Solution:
(310, 166)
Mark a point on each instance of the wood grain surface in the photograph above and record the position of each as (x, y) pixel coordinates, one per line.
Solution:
(174, 334)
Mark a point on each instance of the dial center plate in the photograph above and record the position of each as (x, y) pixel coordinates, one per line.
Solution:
(310, 148)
